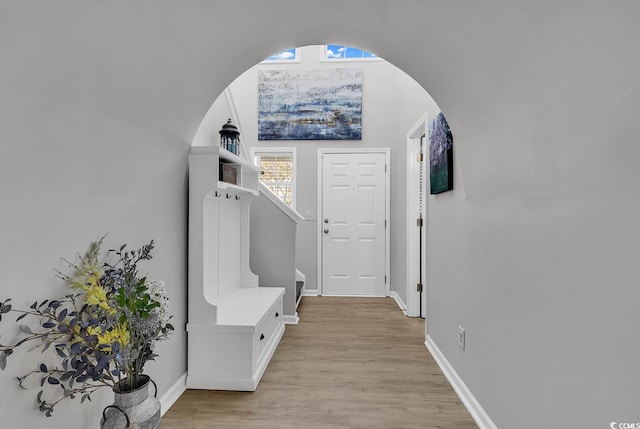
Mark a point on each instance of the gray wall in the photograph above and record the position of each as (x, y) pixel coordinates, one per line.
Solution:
(85, 150)
(273, 249)
(392, 102)
(535, 255)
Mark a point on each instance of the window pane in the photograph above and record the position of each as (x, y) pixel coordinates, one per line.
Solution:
(353, 52)
(336, 51)
(276, 172)
(276, 169)
(346, 52)
(283, 192)
(288, 55)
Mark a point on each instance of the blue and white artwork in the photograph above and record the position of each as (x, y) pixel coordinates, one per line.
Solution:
(440, 155)
(310, 104)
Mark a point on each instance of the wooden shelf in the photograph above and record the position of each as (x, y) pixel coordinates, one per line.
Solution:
(211, 158)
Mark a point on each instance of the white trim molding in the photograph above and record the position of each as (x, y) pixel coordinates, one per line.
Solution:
(310, 292)
(403, 307)
(481, 418)
(175, 391)
(289, 211)
(291, 320)
(413, 261)
(244, 149)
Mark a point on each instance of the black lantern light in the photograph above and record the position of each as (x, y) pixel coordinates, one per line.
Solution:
(230, 138)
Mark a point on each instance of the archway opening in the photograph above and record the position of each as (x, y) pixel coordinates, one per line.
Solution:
(391, 103)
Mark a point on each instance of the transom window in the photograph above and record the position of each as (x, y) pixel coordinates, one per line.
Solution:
(340, 52)
(278, 172)
(287, 56)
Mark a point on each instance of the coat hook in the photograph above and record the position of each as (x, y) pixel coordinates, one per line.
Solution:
(228, 196)
(217, 194)
(237, 197)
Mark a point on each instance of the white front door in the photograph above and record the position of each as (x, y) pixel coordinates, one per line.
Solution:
(353, 224)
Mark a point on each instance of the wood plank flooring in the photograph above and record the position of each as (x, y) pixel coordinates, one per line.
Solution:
(350, 363)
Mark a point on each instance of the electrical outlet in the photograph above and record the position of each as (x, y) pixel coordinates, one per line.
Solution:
(461, 337)
(310, 215)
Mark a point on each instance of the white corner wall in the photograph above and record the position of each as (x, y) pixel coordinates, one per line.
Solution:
(536, 258)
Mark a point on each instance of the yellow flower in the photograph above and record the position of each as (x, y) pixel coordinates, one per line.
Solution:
(87, 275)
(91, 330)
(94, 279)
(96, 295)
(120, 334)
(94, 330)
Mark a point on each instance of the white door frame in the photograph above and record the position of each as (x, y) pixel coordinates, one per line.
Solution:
(413, 251)
(387, 153)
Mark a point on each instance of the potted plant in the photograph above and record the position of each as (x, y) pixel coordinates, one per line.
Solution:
(103, 331)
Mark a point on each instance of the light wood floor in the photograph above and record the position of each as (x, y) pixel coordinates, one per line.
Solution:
(350, 363)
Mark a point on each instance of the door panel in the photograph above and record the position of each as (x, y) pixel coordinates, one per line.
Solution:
(354, 234)
(366, 257)
(366, 198)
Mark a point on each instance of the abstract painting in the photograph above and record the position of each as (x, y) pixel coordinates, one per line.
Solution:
(310, 104)
(440, 155)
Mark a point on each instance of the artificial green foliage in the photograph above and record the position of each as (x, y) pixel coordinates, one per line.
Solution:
(103, 331)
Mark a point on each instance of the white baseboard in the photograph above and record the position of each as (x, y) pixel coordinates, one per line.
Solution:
(331, 295)
(399, 301)
(310, 292)
(171, 396)
(291, 320)
(481, 418)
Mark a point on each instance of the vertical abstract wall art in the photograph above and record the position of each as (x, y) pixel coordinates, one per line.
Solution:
(440, 155)
(310, 104)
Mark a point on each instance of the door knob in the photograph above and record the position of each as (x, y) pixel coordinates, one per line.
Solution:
(326, 221)
(326, 230)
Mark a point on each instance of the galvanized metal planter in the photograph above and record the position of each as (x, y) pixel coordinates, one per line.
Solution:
(133, 408)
